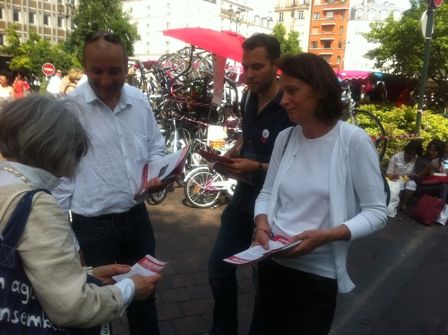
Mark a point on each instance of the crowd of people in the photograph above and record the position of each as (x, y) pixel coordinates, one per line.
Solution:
(409, 174)
(306, 175)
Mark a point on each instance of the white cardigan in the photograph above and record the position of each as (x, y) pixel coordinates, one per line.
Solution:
(357, 197)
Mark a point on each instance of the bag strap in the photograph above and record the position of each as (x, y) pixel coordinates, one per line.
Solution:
(287, 140)
(17, 221)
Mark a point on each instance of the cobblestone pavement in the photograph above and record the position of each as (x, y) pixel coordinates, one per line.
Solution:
(401, 273)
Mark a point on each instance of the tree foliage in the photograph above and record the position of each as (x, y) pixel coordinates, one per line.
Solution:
(289, 45)
(94, 15)
(401, 44)
(29, 56)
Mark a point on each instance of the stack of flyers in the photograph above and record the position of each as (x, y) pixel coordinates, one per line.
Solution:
(256, 252)
(147, 266)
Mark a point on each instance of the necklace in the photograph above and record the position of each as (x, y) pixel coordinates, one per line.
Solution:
(16, 173)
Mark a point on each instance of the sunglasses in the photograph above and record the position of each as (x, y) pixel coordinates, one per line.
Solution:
(107, 36)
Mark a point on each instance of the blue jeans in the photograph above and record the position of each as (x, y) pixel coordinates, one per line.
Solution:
(234, 235)
(121, 238)
(295, 302)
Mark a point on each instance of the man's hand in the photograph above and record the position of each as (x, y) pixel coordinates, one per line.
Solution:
(155, 185)
(144, 285)
(105, 272)
(240, 167)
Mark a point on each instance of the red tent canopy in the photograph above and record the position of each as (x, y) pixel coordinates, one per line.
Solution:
(222, 43)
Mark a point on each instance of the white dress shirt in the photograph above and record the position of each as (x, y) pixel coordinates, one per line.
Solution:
(122, 141)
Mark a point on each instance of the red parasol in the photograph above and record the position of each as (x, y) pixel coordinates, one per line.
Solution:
(222, 43)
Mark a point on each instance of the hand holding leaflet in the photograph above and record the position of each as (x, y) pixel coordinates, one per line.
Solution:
(256, 252)
(164, 168)
(147, 266)
(214, 158)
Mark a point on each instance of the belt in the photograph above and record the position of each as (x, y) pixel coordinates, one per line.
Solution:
(115, 216)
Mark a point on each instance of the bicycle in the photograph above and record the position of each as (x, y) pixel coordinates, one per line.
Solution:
(365, 120)
(203, 188)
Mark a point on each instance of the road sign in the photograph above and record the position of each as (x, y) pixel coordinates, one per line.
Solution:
(438, 3)
(48, 69)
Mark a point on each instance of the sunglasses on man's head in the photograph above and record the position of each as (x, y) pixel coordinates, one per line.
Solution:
(107, 36)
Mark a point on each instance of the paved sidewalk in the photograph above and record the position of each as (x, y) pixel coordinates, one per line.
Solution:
(401, 274)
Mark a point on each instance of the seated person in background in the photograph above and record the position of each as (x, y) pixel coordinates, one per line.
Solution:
(400, 167)
(425, 167)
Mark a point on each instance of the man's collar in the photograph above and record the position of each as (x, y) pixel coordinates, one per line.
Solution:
(91, 96)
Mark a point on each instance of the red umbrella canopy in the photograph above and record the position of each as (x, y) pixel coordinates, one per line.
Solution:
(222, 43)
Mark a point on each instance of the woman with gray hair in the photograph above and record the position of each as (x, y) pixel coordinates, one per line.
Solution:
(42, 139)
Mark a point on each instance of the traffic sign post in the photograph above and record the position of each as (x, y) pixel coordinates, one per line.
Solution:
(48, 69)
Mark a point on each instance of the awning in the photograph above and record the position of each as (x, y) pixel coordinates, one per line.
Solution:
(353, 74)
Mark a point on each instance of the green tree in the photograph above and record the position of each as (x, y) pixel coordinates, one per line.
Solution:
(93, 15)
(401, 43)
(31, 54)
(12, 40)
(289, 45)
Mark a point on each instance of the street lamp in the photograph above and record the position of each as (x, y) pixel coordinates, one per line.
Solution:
(66, 10)
(235, 16)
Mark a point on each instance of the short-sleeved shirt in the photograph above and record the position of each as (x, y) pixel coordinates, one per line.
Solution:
(260, 131)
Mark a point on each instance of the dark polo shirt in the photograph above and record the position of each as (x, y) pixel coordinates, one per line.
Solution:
(259, 134)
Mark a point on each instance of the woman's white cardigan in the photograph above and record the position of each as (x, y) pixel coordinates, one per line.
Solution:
(357, 197)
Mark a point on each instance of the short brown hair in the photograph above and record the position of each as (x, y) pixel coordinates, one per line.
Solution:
(43, 132)
(316, 72)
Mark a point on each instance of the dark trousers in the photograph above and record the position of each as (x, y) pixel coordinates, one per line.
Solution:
(295, 302)
(234, 235)
(121, 238)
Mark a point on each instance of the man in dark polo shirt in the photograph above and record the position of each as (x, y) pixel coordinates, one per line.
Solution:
(263, 119)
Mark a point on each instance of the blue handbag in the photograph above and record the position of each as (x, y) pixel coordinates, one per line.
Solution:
(20, 311)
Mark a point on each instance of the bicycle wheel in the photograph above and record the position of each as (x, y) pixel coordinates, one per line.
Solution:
(157, 197)
(372, 125)
(200, 191)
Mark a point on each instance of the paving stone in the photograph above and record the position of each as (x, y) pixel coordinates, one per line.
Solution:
(193, 325)
(174, 295)
(195, 307)
(169, 311)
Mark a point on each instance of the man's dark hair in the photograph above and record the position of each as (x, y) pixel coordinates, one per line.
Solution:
(316, 72)
(269, 42)
(105, 35)
(414, 146)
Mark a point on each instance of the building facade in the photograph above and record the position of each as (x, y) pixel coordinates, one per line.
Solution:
(295, 15)
(153, 17)
(51, 19)
(361, 16)
(328, 30)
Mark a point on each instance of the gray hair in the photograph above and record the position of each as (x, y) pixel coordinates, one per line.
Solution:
(43, 132)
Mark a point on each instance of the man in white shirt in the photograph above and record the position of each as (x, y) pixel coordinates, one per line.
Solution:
(110, 225)
(53, 85)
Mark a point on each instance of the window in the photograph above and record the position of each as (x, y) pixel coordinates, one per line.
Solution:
(326, 44)
(46, 19)
(60, 19)
(31, 18)
(341, 29)
(340, 44)
(330, 14)
(292, 14)
(16, 15)
(316, 16)
(300, 15)
(315, 30)
(326, 57)
(338, 60)
(1, 12)
(313, 45)
(371, 15)
(359, 14)
(2, 41)
(280, 17)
